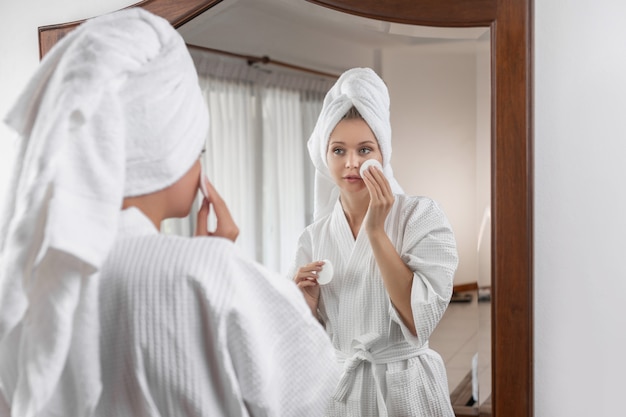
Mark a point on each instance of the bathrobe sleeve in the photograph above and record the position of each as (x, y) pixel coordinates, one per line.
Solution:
(281, 356)
(190, 326)
(428, 247)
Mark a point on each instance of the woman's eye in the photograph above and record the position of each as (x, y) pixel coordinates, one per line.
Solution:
(338, 151)
(366, 150)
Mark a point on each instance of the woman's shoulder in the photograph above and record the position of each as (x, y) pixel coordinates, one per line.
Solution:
(247, 278)
(411, 203)
(408, 198)
(209, 251)
(190, 246)
(210, 261)
(189, 255)
(421, 210)
(318, 224)
(174, 262)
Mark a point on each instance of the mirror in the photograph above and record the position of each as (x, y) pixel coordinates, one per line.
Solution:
(438, 81)
(511, 162)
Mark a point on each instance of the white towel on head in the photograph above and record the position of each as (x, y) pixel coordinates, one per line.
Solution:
(113, 110)
(365, 90)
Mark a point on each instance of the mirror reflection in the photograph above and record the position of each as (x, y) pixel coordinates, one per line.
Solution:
(438, 81)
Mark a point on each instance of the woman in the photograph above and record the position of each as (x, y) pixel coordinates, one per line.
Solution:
(100, 315)
(393, 256)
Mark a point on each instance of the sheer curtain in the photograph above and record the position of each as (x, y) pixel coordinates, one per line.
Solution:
(256, 154)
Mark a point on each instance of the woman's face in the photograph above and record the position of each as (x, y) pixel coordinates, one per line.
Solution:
(351, 143)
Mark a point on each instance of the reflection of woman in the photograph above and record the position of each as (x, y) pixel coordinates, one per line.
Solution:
(394, 257)
(99, 313)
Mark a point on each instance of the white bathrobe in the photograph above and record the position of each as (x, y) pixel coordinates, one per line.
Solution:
(191, 328)
(386, 368)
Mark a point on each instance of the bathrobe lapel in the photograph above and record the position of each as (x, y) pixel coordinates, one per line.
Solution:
(345, 240)
(353, 251)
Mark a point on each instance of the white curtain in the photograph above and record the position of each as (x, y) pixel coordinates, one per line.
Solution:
(283, 176)
(256, 153)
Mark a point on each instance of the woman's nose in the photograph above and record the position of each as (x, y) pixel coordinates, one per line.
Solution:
(353, 161)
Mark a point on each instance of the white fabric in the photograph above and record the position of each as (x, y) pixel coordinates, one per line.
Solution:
(364, 352)
(89, 137)
(231, 69)
(365, 90)
(311, 108)
(256, 154)
(365, 328)
(283, 176)
(192, 328)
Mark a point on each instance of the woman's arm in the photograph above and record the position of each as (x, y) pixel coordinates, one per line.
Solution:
(306, 279)
(397, 276)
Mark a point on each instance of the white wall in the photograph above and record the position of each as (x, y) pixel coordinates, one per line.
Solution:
(19, 52)
(580, 207)
(434, 98)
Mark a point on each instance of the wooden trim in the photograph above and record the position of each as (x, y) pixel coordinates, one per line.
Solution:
(451, 13)
(177, 12)
(471, 286)
(461, 396)
(512, 163)
(512, 248)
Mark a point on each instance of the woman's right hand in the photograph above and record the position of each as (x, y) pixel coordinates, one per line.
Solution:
(226, 226)
(306, 280)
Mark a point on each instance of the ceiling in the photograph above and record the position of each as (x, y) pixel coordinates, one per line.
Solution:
(300, 15)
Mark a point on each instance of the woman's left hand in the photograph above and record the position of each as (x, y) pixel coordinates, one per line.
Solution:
(381, 199)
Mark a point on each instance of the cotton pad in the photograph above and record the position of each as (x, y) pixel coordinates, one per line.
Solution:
(326, 274)
(368, 164)
(203, 188)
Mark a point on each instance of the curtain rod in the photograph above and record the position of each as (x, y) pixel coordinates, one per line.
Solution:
(264, 60)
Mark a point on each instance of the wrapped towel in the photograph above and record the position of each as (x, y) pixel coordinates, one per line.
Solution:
(114, 110)
(365, 90)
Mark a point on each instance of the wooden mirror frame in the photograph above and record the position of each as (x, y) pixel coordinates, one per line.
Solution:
(511, 161)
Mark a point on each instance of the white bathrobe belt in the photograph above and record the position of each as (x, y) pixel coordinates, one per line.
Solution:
(362, 353)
